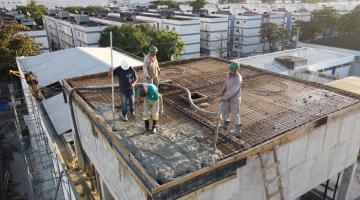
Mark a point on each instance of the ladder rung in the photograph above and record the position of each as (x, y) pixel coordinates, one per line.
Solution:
(267, 182)
(275, 193)
(269, 166)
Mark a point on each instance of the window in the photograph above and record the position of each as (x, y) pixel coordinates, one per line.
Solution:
(173, 29)
(237, 22)
(167, 26)
(237, 30)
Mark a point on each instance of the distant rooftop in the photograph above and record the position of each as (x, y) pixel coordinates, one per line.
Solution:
(71, 19)
(345, 41)
(272, 105)
(316, 59)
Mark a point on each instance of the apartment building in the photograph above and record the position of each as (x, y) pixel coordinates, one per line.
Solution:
(12, 4)
(68, 31)
(213, 33)
(40, 37)
(292, 17)
(187, 28)
(246, 37)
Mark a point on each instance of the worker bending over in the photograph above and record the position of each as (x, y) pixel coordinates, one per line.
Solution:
(151, 67)
(127, 79)
(151, 105)
(231, 97)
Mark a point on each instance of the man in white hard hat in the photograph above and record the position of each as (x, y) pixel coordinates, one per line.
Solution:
(127, 79)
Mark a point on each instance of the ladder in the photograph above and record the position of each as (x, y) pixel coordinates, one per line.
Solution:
(265, 168)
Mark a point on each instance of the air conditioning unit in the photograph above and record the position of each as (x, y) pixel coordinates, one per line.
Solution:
(167, 14)
(201, 12)
(81, 19)
(64, 15)
(52, 12)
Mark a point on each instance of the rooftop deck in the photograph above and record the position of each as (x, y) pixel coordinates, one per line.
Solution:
(272, 105)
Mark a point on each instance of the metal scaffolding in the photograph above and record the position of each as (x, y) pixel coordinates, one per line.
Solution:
(42, 163)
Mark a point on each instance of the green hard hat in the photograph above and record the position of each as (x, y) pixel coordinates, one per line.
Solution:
(153, 49)
(234, 66)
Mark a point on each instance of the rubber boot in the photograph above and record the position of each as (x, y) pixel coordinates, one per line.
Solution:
(237, 130)
(225, 125)
(153, 130)
(147, 125)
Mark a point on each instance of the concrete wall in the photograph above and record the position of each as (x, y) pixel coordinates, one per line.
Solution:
(117, 180)
(305, 162)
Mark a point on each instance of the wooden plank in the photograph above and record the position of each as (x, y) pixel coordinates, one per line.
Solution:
(275, 193)
(272, 165)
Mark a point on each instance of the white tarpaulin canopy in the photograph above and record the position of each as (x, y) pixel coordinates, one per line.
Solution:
(56, 66)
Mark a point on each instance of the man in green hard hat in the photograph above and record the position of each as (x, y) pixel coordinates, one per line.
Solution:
(151, 66)
(231, 97)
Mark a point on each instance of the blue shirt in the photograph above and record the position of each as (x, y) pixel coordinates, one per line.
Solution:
(152, 92)
(126, 78)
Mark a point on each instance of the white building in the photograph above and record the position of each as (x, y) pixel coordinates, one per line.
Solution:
(187, 28)
(67, 32)
(213, 34)
(246, 38)
(292, 17)
(40, 37)
(12, 4)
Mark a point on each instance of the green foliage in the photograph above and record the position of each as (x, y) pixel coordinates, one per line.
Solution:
(197, 4)
(168, 42)
(138, 39)
(350, 23)
(268, 1)
(307, 30)
(12, 45)
(89, 9)
(169, 3)
(73, 9)
(272, 34)
(232, 1)
(36, 11)
(326, 19)
(126, 37)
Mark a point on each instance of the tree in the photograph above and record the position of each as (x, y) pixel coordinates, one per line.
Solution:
(126, 37)
(73, 9)
(12, 45)
(36, 11)
(350, 23)
(138, 39)
(198, 4)
(307, 30)
(326, 19)
(168, 42)
(268, 1)
(169, 3)
(272, 34)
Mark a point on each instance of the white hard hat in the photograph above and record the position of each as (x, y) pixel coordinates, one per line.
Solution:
(124, 64)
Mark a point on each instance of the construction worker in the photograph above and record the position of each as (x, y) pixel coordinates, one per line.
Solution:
(151, 67)
(127, 79)
(151, 105)
(231, 97)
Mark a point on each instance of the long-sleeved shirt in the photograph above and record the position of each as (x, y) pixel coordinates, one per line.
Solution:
(232, 87)
(151, 66)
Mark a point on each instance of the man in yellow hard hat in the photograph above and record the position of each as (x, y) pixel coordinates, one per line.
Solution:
(151, 66)
(231, 97)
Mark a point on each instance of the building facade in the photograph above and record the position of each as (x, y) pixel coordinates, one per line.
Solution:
(246, 38)
(67, 32)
